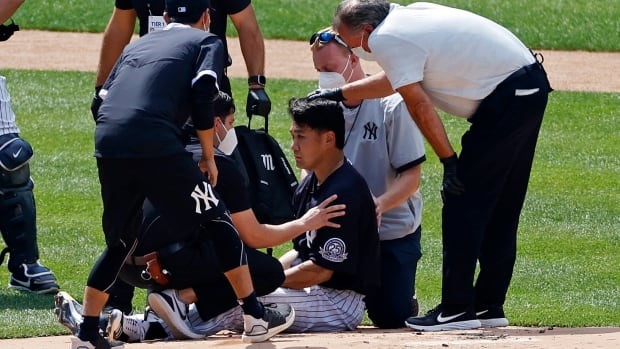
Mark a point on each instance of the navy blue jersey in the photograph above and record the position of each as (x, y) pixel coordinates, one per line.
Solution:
(157, 83)
(231, 185)
(220, 10)
(351, 251)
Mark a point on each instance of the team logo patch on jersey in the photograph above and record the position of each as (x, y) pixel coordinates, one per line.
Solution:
(204, 197)
(334, 250)
(370, 131)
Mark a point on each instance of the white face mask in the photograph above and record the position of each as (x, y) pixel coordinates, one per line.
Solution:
(229, 143)
(361, 53)
(329, 79)
(334, 79)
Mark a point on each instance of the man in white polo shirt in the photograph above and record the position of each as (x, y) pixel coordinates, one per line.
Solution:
(471, 67)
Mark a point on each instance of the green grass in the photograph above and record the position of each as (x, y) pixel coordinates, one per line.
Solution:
(568, 261)
(567, 269)
(543, 24)
(567, 272)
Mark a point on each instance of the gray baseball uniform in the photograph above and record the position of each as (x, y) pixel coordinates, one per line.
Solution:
(381, 141)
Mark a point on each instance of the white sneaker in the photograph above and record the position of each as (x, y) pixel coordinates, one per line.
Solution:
(277, 318)
(167, 305)
(68, 311)
(126, 328)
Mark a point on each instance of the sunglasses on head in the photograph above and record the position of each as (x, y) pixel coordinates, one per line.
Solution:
(326, 37)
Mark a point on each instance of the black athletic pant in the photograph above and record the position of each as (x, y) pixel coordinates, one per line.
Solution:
(121, 296)
(176, 188)
(494, 165)
(198, 268)
(390, 306)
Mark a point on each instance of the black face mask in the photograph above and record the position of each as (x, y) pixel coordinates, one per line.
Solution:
(6, 31)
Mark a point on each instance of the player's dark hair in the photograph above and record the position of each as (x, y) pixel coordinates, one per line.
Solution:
(223, 104)
(319, 114)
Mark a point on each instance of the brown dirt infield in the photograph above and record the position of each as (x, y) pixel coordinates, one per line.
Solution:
(568, 71)
(368, 337)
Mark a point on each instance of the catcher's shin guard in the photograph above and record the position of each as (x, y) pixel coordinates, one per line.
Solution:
(18, 216)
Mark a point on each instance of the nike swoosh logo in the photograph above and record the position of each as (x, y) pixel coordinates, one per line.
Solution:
(23, 283)
(482, 312)
(17, 153)
(442, 319)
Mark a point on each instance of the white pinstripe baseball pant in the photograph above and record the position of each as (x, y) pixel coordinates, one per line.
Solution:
(320, 309)
(317, 309)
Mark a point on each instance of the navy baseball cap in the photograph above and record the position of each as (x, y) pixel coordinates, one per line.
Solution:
(184, 9)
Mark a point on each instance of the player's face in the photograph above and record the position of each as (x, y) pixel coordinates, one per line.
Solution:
(331, 58)
(229, 121)
(223, 125)
(307, 145)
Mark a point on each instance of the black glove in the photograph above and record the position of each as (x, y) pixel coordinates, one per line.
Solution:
(96, 103)
(6, 31)
(451, 183)
(335, 94)
(258, 102)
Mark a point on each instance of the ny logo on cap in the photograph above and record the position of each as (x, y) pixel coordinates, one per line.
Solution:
(181, 9)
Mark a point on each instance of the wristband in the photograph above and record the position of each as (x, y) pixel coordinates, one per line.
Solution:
(449, 159)
(257, 79)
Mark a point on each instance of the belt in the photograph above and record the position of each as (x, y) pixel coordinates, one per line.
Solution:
(523, 71)
(164, 251)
